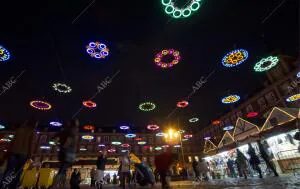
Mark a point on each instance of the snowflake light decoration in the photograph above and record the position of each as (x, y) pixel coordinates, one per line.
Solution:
(182, 104)
(4, 54)
(230, 99)
(228, 128)
(184, 12)
(252, 114)
(40, 105)
(235, 58)
(293, 98)
(152, 127)
(266, 64)
(147, 106)
(131, 135)
(89, 127)
(61, 87)
(55, 124)
(89, 104)
(167, 52)
(97, 50)
(193, 120)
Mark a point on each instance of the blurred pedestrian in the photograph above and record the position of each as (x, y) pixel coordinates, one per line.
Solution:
(163, 163)
(115, 181)
(195, 165)
(266, 158)
(20, 151)
(241, 162)
(93, 177)
(101, 162)
(254, 160)
(75, 179)
(203, 170)
(125, 169)
(230, 165)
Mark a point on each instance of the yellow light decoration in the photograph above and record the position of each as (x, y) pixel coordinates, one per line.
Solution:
(40, 105)
(293, 98)
(87, 137)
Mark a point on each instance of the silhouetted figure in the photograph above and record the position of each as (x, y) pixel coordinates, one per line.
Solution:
(254, 160)
(75, 179)
(241, 161)
(266, 158)
(196, 169)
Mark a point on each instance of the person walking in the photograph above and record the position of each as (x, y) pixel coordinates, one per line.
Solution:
(101, 162)
(230, 166)
(67, 152)
(20, 151)
(203, 170)
(241, 162)
(195, 165)
(75, 179)
(266, 158)
(93, 177)
(125, 169)
(254, 160)
(163, 163)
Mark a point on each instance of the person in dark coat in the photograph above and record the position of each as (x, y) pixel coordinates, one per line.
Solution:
(75, 179)
(163, 163)
(101, 162)
(266, 158)
(230, 165)
(195, 165)
(241, 162)
(254, 160)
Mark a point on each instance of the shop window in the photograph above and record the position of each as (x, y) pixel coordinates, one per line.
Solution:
(249, 108)
(271, 98)
(262, 103)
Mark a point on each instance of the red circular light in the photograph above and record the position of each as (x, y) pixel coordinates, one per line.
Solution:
(188, 136)
(216, 122)
(89, 104)
(89, 127)
(166, 146)
(182, 104)
(152, 127)
(138, 139)
(147, 147)
(125, 145)
(252, 114)
(111, 150)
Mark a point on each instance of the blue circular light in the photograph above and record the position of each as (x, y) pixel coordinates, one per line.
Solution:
(130, 135)
(235, 58)
(45, 147)
(228, 128)
(160, 134)
(298, 75)
(55, 124)
(2, 127)
(97, 50)
(4, 54)
(124, 127)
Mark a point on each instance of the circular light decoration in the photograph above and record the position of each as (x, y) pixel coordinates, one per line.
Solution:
(97, 50)
(45, 147)
(152, 127)
(228, 128)
(5, 140)
(181, 131)
(4, 54)
(184, 12)
(165, 146)
(216, 122)
(123, 151)
(252, 114)
(141, 142)
(164, 54)
(266, 64)
(182, 104)
(177, 146)
(10, 136)
(146, 147)
(89, 127)
(131, 135)
(82, 149)
(2, 127)
(87, 137)
(158, 148)
(207, 138)
(101, 145)
(116, 143)
(89, 104)
(184, 139)
(111, 150)
(55, 124)
(40, 105)
(138, 139)
(147, 106)
(293, 98)
(160, 134)
(235, 58)
(298, 75)
(124, 127)
(61, 87)
(125, 145)
(230, 99)
(51, 142)
(187, 136)
(193, 120)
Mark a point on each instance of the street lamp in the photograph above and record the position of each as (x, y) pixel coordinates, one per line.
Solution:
(172, 137)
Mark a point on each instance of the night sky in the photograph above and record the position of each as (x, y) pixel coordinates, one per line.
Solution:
(43, 40)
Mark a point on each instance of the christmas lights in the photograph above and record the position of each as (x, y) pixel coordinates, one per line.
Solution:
(216, 122)
(147, 106)
(4, 54)
(177, 146)
(97, 50)
(89, 127)
(111, 150)
(89, 104)
(164, 53)
(235, 58)
(230, 99)
(182, 104)
(165, 146)
(193, 120)
(252, 114)
(125, 145)
(181, 131)
(266, 64)
(40, 105)
(298, 75)
(293, 98)
(61, 87)
(184, 12)
(158, 148)
(130, 135)
(5, 140)
(82, 149)
(116, 143)
(101, 145)
(55, 124)
(228, 128)
(152, 127)
(45, 147)
(123, 151)
(141, 142)
(138, 139)
(124, 127)
(2, 127)
(87, 137)
(188, 136)
(207, 138)
(184, 139)
(160, 134)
